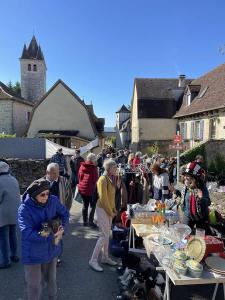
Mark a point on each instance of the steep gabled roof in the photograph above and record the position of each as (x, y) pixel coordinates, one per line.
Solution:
(33, 51)
(211, 95)
(123, 109)
(7, 94)
(157, 88)
(94, 123)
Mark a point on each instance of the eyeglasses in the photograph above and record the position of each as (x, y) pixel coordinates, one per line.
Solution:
(44, 194)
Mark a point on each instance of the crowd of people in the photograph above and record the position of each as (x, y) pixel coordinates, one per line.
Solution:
(107, 183)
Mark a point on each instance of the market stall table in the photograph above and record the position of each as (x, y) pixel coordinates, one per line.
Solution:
(208, 276)
(141, 230)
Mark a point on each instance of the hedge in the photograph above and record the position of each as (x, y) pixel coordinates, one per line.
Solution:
(2, 135)
(190, 155)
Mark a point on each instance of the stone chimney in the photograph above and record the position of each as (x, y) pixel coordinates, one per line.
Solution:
(181, 83)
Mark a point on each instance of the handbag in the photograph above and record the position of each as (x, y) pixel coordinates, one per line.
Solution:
(77, 196)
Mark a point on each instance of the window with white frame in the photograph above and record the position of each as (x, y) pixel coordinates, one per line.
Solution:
(198, 130)
(183, 130)
(189, 99)
(212, 128)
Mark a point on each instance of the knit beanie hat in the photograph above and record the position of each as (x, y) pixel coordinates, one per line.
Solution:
(4, 167)
(37, 187)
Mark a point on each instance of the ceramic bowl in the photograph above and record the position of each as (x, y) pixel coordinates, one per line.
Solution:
(181, 255)
(180, 267)
(194, 268)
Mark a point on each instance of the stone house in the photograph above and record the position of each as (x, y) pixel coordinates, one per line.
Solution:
(154, 103)
(201, 116)
(14, 112)
(62, 117)
(59, 115)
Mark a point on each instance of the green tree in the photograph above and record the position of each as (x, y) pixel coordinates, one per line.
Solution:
(15, 88)
(151, 150)
(10, 85)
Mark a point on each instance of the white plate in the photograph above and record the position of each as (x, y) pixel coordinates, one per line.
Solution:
(216, 263)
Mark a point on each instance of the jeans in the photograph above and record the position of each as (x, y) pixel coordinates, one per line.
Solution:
(8, 243)
(88, 200)
(34, 275)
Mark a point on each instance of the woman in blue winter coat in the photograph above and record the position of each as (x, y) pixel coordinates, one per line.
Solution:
(40, 239)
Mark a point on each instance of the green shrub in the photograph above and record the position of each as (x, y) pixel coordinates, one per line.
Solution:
(111, 141)
(217, 166)
(190, 155)
(151, 150)
(2, 135)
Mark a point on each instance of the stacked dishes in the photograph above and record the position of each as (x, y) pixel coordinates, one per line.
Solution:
(179, 264)
(216, 264)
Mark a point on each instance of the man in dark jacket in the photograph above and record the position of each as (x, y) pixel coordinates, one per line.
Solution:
(9, 203)
(40, 241)
(122, 158)
(60, 159)
(100, 161)
(75, 166)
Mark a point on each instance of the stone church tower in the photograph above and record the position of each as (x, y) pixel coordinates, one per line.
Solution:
(33, 72)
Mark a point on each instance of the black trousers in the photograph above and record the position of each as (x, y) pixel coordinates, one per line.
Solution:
(88, 200)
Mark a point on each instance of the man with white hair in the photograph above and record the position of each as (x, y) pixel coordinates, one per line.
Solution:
(9, 204)
(59, 185)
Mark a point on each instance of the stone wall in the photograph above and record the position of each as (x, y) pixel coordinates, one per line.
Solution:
(27, 171)
(20, 118)
(213, 148)
(6, 117)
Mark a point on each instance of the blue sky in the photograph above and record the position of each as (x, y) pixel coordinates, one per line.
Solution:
(98, 47)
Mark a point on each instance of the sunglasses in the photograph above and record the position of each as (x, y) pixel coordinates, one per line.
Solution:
(44, 194)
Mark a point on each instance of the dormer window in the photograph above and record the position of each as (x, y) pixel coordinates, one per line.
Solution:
(34, 68)
(29, 67)
(189, 99)
(192, 93)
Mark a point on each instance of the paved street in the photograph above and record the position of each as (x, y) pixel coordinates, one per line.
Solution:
(75, 279)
